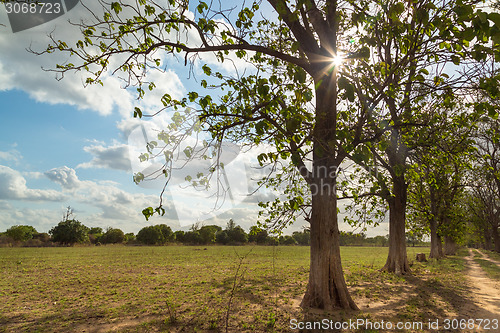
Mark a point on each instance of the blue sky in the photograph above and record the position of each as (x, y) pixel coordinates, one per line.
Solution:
(62, 144)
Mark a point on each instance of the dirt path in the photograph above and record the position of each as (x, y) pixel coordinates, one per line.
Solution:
(485, 291)
(485, 257)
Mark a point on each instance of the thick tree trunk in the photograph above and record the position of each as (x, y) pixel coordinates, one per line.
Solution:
(450, 246)
(327, 288)
(397, 261)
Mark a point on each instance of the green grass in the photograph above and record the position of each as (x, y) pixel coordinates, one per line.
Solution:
(491, 268)
(492, 254)
(174, 288)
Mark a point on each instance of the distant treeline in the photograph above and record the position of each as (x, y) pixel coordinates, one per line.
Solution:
(71, 231)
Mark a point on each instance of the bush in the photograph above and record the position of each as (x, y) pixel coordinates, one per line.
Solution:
(112, 236)
(237, 235)
(21, 233)
(192, 237)
(179, 236)
(158, 234)
(257, 235)
(208, 233)
(302, 238)
(167, 233)
(222, 237)
(43, 237)
(129, 237)
(6, 241)
(287, 240)
(69, 232)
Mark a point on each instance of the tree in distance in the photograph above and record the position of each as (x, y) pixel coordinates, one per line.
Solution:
(155, 235)
(69, 232)
(112, 236)
(21, 233)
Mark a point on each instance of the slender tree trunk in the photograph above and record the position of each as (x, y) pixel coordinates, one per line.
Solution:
(450, 246)
(397, 261)
(496, 237)
(435, 239)
(440, 246)
(327, 288)
(487, 239)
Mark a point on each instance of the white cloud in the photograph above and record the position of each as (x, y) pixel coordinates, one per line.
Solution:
(22, 70)
(41, 219)
(33, 174)
(11, 155)
(114, 204)
(111, 157)
(64, 176)
(13, 187)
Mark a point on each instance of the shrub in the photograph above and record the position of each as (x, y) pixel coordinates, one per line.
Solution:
(208, 233)
(150, 236)
(302, 238)
(257, 235)
(21, 233)
(129, 237)
(112, 236)
(69, 232)
(179, 236)
(287, 240)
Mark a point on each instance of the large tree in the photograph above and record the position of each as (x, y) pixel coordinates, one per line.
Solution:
(310, 112)
(437, 175)
(423, 47)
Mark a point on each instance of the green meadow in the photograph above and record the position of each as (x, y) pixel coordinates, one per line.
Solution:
(205, 289)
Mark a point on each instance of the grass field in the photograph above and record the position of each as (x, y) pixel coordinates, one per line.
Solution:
(197, 289)
(491, 268)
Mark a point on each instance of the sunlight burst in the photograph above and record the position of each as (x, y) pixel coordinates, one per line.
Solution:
(338, 59)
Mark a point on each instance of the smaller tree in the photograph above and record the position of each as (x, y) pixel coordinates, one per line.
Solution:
(21, 233)
(96, 235)
(179, 236)
(235, 233)
(150, 235)
(208, 233)
(287, 240)
(167, 233)
(192, 237)
(302, 238)
(70, 232)
(222, 237)
(96, 231)
(129, 237)
(257, 235)
(113, 236)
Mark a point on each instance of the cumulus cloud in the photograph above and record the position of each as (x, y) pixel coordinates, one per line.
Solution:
(112, 202)
(13, 187)
(22, 70)
(11, 155)
(115, 157)
(64, 176)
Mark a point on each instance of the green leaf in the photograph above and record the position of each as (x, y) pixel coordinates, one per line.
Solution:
(116, 7)
(148, 212)
(207, 70)
(495, 18)
(137, 112)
